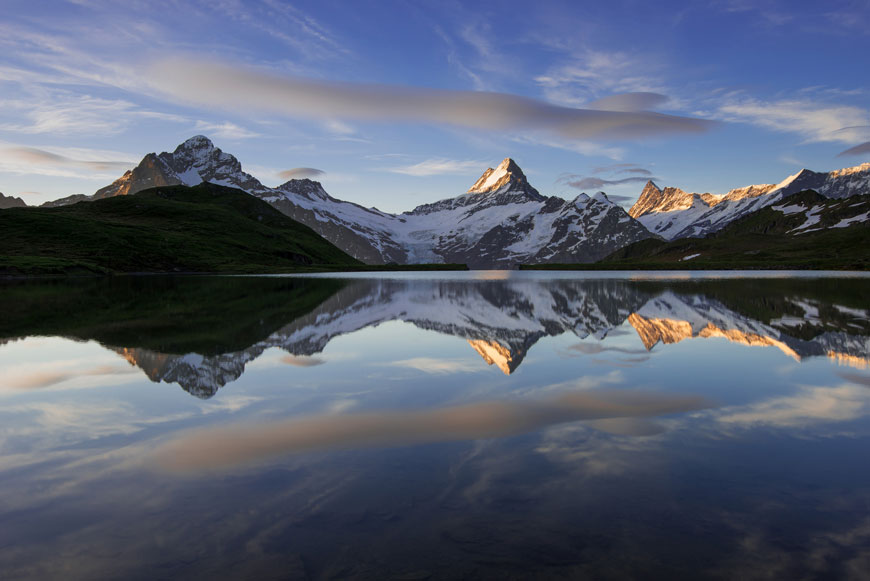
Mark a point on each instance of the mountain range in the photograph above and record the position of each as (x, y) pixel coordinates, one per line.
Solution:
(500, 222)
(803, 230)
(673, 213)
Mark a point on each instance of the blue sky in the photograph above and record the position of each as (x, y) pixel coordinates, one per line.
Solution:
(405, 102)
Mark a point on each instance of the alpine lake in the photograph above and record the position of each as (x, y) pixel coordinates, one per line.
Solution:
(456, 425)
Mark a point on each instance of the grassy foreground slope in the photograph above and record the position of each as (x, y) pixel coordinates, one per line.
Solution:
(206, 228)
(765, 239)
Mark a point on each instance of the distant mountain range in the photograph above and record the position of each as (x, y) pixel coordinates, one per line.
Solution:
(500, 222)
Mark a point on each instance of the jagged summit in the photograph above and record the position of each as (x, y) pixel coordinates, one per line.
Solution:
(654, 199)
(195, 142)
(493, 180)
(194, 161)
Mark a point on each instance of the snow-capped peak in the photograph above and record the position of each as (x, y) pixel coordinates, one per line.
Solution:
(197, 142)
(507, 172)
(197, 160)
(601, 197)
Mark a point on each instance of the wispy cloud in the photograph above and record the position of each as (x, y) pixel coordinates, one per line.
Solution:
(438, 366)
(456, 61)
(586, 148)
(55, 112)
(809, 405)
(220, 85)
(34, 156)
(63, 114)
(50, 377)
(814, 121)
(439, 166)
(286, 24)
(587, 75)
(63, 162)
(225, 130)
(771, 13)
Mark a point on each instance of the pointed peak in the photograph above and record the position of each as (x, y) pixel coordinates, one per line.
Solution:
(510, 166)
(651, 185)
(507, 173)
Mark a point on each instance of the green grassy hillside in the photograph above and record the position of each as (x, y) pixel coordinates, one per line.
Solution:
(206, 228)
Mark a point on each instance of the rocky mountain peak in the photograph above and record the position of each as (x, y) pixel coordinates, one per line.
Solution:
(650, 197)
(311, 189)
(199, 153)
(508, 173)
(651, 186)
(195, 143)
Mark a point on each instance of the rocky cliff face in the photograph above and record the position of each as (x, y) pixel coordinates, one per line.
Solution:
(673, 213)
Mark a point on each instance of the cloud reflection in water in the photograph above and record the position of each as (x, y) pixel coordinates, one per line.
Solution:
(225, 447)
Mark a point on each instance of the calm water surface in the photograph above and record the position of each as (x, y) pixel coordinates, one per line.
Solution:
(486, 425)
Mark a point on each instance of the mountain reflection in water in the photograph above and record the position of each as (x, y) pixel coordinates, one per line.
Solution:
(201, 333)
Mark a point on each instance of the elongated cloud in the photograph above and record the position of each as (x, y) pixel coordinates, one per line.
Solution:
(636, 175)
(861, 149)
(225, 447)
(592, 182)
(33, 156)
(300, 172)
(230, 87)
(40, 379)
(629, 102)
